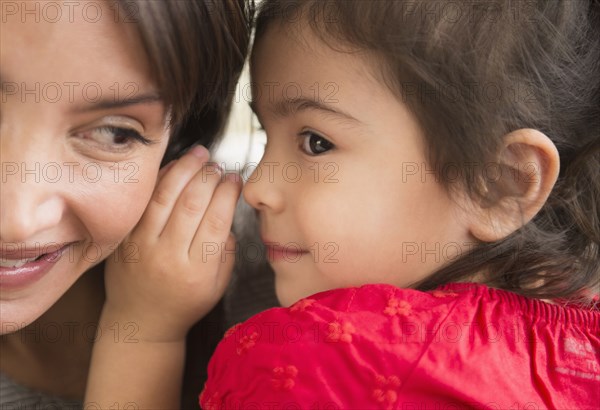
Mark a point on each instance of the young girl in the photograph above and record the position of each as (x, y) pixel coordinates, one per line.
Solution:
(432, 169)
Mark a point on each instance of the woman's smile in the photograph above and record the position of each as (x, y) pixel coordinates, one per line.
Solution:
(31, 265)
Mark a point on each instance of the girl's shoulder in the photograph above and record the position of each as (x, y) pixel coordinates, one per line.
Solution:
(380, 344)
(382, 303)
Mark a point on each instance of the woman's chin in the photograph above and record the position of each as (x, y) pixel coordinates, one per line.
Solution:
(20, 306)
(19, 313)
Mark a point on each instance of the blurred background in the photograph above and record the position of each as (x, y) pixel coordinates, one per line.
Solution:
(243, 142)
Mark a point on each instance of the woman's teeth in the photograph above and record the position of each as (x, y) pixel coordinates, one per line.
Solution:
(16, 263)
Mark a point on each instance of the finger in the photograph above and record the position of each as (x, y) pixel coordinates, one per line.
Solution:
(215, 226)
(191, 206)
(164, 170)
(165, 195)
(227, 263)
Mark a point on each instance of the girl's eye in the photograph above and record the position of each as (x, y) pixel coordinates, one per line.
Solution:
(116, 137)
(314, 144)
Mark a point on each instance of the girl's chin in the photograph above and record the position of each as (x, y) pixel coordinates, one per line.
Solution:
(288, 296)
(283, 297)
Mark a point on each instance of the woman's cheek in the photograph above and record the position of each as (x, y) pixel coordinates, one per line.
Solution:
(111, 208)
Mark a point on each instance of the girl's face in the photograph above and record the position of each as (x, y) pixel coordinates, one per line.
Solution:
(82, 132)
(343, 192)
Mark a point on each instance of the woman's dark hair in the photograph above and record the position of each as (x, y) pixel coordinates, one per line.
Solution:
(472, 72)
(196, 49)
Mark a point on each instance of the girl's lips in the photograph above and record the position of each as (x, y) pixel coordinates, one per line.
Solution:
(27, 271)
(288, 253)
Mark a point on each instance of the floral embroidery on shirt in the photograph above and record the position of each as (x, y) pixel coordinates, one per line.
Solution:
(301, 305)
(213, 403)
(386, 390)
(443, 293)
(232, 330)
(338, 332)
(284, 377)
(397, 307)
(246, 343)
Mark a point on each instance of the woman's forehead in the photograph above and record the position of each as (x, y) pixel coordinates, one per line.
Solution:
(74, 53)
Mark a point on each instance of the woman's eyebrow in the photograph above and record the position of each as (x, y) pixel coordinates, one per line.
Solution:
(113, 103)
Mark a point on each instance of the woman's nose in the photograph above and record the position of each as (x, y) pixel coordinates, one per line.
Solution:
(30, 201)
(264, 189)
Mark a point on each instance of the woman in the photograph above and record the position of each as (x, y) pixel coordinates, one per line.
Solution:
(95, 96)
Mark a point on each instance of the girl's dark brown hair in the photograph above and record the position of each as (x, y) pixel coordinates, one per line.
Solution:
(472, 72)
(196, 49)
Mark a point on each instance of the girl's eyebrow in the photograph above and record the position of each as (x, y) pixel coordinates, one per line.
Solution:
(287, 107)
(113, 103)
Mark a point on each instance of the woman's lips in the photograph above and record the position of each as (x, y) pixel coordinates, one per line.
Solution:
(12, 251)
(16, 273)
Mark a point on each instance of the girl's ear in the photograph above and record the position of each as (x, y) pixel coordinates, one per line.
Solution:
(528, 165)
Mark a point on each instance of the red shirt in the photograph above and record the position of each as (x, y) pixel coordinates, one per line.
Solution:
(382, 347)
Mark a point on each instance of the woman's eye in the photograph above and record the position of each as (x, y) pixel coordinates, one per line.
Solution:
(114, 136)
(314, 144)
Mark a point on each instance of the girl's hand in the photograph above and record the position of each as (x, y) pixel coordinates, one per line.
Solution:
(179, 256)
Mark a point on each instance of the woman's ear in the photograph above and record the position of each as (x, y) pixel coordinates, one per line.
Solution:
(528, 166)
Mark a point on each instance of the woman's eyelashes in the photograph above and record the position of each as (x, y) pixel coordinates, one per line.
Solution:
(125, 135)
(113, 138)
(313, 144)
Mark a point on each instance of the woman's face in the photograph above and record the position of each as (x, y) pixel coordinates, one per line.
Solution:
(82, 135)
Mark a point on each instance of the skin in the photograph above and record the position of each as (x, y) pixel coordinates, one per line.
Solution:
(89, 213)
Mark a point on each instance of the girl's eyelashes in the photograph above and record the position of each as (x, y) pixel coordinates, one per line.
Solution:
(313, 144)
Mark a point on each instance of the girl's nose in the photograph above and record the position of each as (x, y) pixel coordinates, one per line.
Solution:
(29, 203)
(264, 188)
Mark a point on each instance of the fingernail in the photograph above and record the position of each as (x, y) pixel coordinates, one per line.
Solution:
(199, 151)
(233, 177)
(213, 166)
